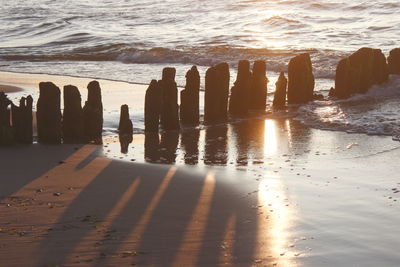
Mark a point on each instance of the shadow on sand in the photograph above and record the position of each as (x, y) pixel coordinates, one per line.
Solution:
(126, 213)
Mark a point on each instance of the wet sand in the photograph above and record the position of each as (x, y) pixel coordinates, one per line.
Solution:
(258, 192)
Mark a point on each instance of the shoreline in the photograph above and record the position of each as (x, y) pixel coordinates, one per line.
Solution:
(31, 80)
(72, 76)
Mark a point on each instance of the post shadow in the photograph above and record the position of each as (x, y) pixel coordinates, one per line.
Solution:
(231, 212)
(159, 229)
(225, 204)
(167, 218)
(97, 200)
(13, 178)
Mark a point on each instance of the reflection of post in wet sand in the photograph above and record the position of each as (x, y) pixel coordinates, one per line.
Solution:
(285, 136)
(164, 150)
(298, 136)
(260, 139)
(151, 147)
(124, 143)
(216, 149)
(249, 139)
(247, 142)
(190, 145)
(168, 145)
(257, 140)
(241, 136)
(125, 129)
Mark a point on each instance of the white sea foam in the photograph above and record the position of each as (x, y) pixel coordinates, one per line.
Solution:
(374, 113)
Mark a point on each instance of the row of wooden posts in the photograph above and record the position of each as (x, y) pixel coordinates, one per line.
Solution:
(354, 74)
(79, 124)
(76, 125)
(249, 93)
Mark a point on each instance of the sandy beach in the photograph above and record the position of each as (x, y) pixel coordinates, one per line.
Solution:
(76, 208)
(257, 192)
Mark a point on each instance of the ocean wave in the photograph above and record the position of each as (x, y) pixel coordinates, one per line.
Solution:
(277, 59)
(362, 6)
(193, 32)
(282, 22)
(324, 6)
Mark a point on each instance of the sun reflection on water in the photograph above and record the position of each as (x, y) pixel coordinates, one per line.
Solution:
(270, 138)
(289, 133)
(275, 219)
